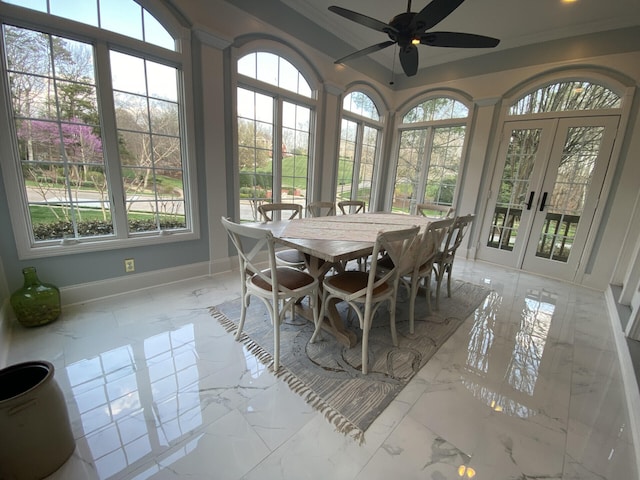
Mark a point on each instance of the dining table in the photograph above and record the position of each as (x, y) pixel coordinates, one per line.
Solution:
(330, 242)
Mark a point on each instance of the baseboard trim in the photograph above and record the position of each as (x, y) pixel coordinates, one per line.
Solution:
(629, 381)
(87, 292)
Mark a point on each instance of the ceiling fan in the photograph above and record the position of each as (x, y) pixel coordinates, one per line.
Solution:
(409, 29)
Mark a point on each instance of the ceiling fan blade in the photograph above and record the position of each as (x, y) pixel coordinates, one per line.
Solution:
(362, 19)
(365, 51)
(460, 40)
(432, 14)
(409, 60)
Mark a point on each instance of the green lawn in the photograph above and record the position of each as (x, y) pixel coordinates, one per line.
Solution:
(295, 168)
(44, 215)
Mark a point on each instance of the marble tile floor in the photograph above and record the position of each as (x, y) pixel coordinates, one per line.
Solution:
(528, 388)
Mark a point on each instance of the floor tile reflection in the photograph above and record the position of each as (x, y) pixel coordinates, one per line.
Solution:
(528, 387)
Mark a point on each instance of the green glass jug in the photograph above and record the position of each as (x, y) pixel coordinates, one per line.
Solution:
(36, 303)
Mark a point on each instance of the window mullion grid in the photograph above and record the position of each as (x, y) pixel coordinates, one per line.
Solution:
(113, 170)
(276, 150)
(73, 205)
(156, 205)
(424, 168)
(357, 158)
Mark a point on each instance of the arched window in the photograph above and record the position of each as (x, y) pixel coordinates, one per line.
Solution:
(275, 114)
(360, 136)
(432, 138)
(98, 135)
(566, 96)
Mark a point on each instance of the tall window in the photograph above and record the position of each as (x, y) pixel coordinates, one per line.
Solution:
(432, 138)
(98, 135)
(275, 115)
(359, 140)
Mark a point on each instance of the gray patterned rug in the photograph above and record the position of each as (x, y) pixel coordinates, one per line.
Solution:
(327, 374)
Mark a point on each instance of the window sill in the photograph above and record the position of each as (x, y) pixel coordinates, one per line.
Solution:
(87, 245)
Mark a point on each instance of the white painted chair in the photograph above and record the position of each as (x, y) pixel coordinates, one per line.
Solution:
(321, 209)
(419, 263)
(433, 209)
(365, 292)
(352, 206)
(279, 287)
(289, 257)
(443, 262)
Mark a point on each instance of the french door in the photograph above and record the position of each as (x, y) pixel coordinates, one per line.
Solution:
(545, 192)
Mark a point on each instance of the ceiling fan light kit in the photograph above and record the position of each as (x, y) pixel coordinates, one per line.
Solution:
(409, 29)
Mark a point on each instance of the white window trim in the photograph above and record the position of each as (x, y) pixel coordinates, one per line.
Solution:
(361, 122)
(15, 193)
(400, 126)
(313, 102)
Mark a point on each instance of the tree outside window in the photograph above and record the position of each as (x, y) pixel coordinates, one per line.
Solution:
(432, 137)
(79, 180)
(359, 145)
(275, 114)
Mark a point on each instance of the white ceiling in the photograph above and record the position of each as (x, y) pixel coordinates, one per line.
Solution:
(516, 23)
(530, 31)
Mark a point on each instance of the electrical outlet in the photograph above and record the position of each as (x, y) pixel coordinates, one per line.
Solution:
(129, 265)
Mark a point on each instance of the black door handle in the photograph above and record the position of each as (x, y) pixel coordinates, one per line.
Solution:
(544, 200)
(530, 202)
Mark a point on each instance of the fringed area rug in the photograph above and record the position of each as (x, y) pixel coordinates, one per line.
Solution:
(327, 374)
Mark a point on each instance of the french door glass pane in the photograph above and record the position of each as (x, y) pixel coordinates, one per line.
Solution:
(514, 185)
(573, 179)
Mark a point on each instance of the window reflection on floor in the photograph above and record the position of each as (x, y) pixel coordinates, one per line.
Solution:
(521, 373)
(255, 367)
(482, 334)
(110, 389)
(530, 340)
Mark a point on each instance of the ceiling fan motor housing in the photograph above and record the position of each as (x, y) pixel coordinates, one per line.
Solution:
(402, 32)
(409, 29)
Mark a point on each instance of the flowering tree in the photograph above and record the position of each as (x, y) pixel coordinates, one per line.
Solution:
(62, 155)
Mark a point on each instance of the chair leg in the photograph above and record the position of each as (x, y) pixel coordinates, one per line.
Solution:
(243, 315)
(276, 335)
(313, 303)
(439, 277)
(392, 321)
(427, 288)
(413, 293)
(319, 318)
(365, 345)
(449, 267)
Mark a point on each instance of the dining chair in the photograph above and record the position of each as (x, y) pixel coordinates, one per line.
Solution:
(267, 211)
(443, 261)
(289, 257)
(365, 292)
(321, 209)
(279, 287)
(352, 206)
(419, 263)
(435, 210)
(421, 275)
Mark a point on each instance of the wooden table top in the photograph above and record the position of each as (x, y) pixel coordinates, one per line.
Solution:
(340, 237)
